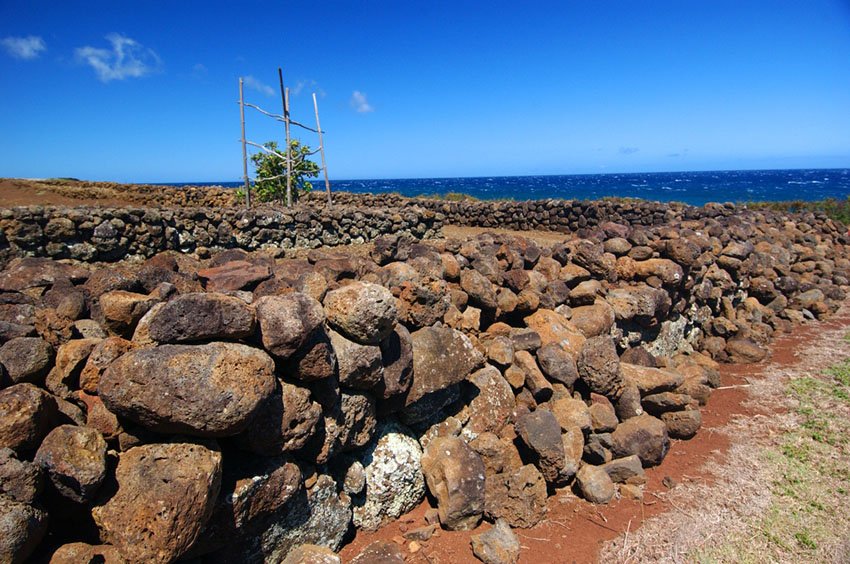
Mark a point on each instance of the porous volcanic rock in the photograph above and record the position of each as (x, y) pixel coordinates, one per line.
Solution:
(363, 312)
(165, 493)
(22, 527)
(287, 322)
(599, 367)
(74, 459)
(26, 359)
(360, 366)
(518, 496)
(499, 545)
(27, 414)
(442, 358)
(201, 317)
(286, 421)
(211, 390)
(20, 480)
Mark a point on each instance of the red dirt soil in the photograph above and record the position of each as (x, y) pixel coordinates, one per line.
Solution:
(574, 529)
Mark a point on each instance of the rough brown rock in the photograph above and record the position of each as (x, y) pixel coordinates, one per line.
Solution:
(442, 357)
(644, 436)
(651, 380)
(555, 328)
(211, 390)
(26, 359)
(285, 422)
(27, 414)
(359, 365)
(287, 322)
(202, 317)
(518, 496)
(557, 364)
(74, 459)
(120, 310)
(540, 432)
(626, 470)
(380, 552)
(233, 275)
(311, 554)
(102, 355)
(455, 476)
(64, 377)
(76, 552)
(397, 360)
(363, 312)
(492, 401)
(599, 367)
(22, 527)
(682, 424)
(19, 479)
(593, 320)
(165, 493)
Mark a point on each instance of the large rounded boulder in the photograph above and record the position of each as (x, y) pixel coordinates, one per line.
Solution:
(211, 390)
(363, 312)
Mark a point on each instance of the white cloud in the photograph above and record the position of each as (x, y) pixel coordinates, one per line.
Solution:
(26, 48)
(127, 59)
(252, 82)
(360, 103)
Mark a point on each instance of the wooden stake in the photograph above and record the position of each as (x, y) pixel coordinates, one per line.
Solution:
(244, 148)
(284, 94)
(322, 150)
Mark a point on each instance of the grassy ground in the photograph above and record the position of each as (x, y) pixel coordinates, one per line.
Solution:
(809, 514)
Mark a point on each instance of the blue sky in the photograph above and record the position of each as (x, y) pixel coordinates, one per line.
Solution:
(146, 91)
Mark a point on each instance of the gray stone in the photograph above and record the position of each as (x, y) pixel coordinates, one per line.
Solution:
(394, 483)
(499, 545)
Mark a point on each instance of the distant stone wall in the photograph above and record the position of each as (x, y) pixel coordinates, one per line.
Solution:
(545, 215)
(107, 234)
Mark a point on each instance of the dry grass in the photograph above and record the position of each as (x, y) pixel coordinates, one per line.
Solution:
(781, 493)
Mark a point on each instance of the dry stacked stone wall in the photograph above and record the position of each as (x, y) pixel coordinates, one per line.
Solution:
(109, 234)
(249, 409)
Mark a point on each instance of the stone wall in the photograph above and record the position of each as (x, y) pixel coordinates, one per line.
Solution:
(237, 408)
(544, 215)
(108, 234)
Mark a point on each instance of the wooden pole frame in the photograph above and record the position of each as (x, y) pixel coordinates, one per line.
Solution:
(322, 150)
(244, 147)
(284, 95)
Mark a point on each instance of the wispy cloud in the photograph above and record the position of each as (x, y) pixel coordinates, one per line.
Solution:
(628, 150)
(126, 59)
(360, 103)
(255, 84)
(26, 48)
(680, 154)
(310, 84)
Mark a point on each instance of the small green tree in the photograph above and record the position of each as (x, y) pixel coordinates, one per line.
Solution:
(271, 171)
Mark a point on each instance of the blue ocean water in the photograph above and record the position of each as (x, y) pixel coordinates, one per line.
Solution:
(694, 188)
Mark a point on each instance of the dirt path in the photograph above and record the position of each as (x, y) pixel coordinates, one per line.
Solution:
(26, 193)
(576, 531)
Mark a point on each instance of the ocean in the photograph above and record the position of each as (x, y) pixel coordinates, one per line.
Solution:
(694, 188)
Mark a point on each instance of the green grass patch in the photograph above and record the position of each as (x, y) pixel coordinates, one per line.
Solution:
(810, 480)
